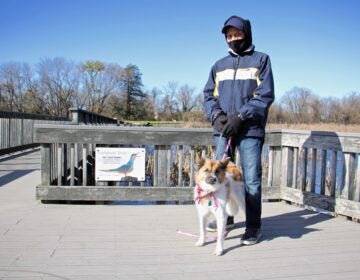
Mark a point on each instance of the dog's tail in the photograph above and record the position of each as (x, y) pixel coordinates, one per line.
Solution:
(232, 208)
(236, 199)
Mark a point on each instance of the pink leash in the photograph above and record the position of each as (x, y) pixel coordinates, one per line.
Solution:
(195, 236)
(227, 148)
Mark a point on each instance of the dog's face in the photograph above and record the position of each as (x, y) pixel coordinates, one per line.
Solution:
(211, 174)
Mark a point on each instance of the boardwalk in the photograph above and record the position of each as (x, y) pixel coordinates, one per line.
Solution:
(64, 241)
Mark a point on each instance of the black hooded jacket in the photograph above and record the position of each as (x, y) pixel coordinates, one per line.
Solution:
(241, 84)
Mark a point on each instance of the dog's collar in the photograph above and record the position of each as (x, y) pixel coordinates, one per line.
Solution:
(210, 195)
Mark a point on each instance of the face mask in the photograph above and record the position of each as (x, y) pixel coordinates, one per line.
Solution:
(238, 46)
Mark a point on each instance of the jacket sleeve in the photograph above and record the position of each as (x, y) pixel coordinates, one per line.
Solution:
(211, 103)
(258, 106)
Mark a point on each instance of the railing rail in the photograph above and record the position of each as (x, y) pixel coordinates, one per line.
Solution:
(80, 116)
(317, 169)
(17, 128)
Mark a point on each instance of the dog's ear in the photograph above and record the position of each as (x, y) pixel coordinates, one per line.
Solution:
(225, 162)
(199, 161)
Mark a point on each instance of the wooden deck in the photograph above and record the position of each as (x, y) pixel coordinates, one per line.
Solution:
(67, 241)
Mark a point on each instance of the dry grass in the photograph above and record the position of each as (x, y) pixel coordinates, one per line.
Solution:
(317, 126)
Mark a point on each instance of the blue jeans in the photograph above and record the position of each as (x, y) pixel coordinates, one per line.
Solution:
(250, 149)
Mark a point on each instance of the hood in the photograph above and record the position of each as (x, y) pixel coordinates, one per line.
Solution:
(242, 24)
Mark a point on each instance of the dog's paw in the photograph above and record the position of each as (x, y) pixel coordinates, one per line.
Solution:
(218, 252)
(200, 243)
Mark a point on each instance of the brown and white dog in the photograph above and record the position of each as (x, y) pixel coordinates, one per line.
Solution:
(219, 190)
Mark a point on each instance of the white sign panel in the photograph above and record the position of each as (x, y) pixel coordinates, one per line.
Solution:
(115, 164)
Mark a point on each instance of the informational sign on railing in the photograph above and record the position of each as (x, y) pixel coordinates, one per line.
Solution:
(120, 164)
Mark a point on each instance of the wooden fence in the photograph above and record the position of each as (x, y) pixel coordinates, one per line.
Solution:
(16, 129)
(317, 169)
(80, 116)
(17, 133)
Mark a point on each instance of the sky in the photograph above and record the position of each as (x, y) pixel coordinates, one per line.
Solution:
(312, 44)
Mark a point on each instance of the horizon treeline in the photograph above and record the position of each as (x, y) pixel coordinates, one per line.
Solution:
(54, 85)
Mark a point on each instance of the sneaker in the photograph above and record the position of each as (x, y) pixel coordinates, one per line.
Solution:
(251, 236)
(212, 227)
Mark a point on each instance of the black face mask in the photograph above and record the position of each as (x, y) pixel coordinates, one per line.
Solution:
(238, 46)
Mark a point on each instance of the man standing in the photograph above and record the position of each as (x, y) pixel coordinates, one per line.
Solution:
(237, 97)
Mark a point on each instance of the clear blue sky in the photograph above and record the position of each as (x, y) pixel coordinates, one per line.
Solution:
(312, 43)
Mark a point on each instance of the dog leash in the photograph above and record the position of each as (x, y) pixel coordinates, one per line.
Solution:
(227, 147)
(195, 236)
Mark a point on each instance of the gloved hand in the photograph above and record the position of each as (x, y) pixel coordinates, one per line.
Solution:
(219, 122)
(233, 125)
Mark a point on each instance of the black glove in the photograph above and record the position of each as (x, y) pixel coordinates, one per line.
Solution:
(219, 122)
(233, 125)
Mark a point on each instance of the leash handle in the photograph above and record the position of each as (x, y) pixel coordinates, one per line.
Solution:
(227, 148)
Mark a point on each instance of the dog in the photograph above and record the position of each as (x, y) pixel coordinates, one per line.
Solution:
(219, 190)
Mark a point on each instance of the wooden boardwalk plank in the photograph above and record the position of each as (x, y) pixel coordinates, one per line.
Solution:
(65, 241)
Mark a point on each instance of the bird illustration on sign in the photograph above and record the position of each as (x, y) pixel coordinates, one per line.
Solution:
(125, 168)
(118, 164)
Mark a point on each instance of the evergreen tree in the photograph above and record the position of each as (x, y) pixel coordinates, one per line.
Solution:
(134, 96)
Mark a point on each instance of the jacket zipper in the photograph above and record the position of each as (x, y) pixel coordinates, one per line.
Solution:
(233, 86)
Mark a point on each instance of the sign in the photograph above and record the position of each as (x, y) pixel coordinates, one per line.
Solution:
(116, 164)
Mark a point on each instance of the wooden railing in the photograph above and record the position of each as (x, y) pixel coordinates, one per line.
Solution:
(16, 129)
(80, 116)
(317, 169)
(17, 133)
(322, 170)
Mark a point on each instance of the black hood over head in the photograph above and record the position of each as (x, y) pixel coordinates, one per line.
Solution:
(242, 24)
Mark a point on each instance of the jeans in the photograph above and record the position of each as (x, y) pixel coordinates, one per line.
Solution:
(250, 149)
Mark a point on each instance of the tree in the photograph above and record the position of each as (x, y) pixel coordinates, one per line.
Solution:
(99, 81)
(59, 84)
(186, 100)
(276, 114)
(168, 108)
(12, 86)
(133, 95)
(350, 105)
(297, 102)
(154, 95)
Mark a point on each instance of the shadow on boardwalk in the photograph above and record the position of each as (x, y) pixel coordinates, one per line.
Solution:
(15, 166)
(293, 225)
(13, 175)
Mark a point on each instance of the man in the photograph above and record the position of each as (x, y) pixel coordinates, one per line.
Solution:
(237, 97)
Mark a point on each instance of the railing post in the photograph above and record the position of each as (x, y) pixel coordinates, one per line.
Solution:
(180, 165)
(276, 171)
(323, 171)
(302, 168)
(162, 165)
(357, 186)
(270, 170)
(74, 115)
(45, 164)
(286, 166)
(330, 189)
(192, 164)
(313, 170)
